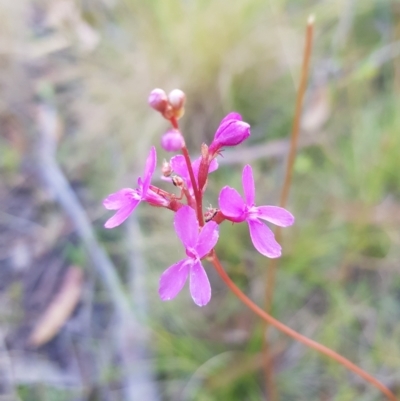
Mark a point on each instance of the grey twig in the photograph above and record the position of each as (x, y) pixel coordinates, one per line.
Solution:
(384, 54)
(137, 354)
(55, 180)
(129, 331)
(344, 26)
(276, 148)
(7, 379)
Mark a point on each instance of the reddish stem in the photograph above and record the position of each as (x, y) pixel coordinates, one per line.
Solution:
(297, 336)
(197, 194)
(271, 274)
(191, 202)
(174, 123)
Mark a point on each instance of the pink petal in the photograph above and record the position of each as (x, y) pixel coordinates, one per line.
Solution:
(118, 199)
(155, 199)
(122, 214)
(207, 239)
(140, 186)
(196, 165)
(166, 179)
(149, 169)
(196, 168)
(231, 116)
(186, 226)
(232, 204)
(263, 239)
(213, 166)
(173, 279)
(275, 215)
(200, 288)
(179, 166)
(248, 185)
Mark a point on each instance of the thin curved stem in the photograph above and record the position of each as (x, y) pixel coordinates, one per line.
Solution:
(271, 272)
(297, 113)
(297, 336)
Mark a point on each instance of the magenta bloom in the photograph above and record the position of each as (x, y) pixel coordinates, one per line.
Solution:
(179, 166)
(236, 209)
(198, 245)
(231, 131)
(127, 199)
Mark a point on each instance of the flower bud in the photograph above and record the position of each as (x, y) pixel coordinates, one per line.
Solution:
(158, 100)
(178, 181)
(203, 167)
(166, 168)
(176, 99)
(204, 151)
(172, 141)
(231, 132)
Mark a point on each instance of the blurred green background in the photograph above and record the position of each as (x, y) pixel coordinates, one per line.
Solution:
(74, 79)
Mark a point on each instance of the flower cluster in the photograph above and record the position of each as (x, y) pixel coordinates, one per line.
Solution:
(198, 231)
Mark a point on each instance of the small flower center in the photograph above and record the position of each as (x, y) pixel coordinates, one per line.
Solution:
(252, 212)
(192, 253)
(136, 194)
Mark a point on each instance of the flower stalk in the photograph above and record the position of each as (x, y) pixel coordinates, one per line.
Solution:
(271, 271)
(266, 317)
(197, 195)
(197, 230)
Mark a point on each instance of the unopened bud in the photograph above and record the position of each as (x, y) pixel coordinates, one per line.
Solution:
(158, 100)
(176, 99)
(166, 169)
(204, 151)
(204, 167)
(232, 131)
(172, 141)
(178, 181)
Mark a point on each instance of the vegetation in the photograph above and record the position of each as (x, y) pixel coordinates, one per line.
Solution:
(85, 70)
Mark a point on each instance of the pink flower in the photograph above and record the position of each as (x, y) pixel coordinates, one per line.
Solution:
(172, 141)
(179, 166)
(236, 209)
(231, 131)
(198, 245)
(127, 199)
